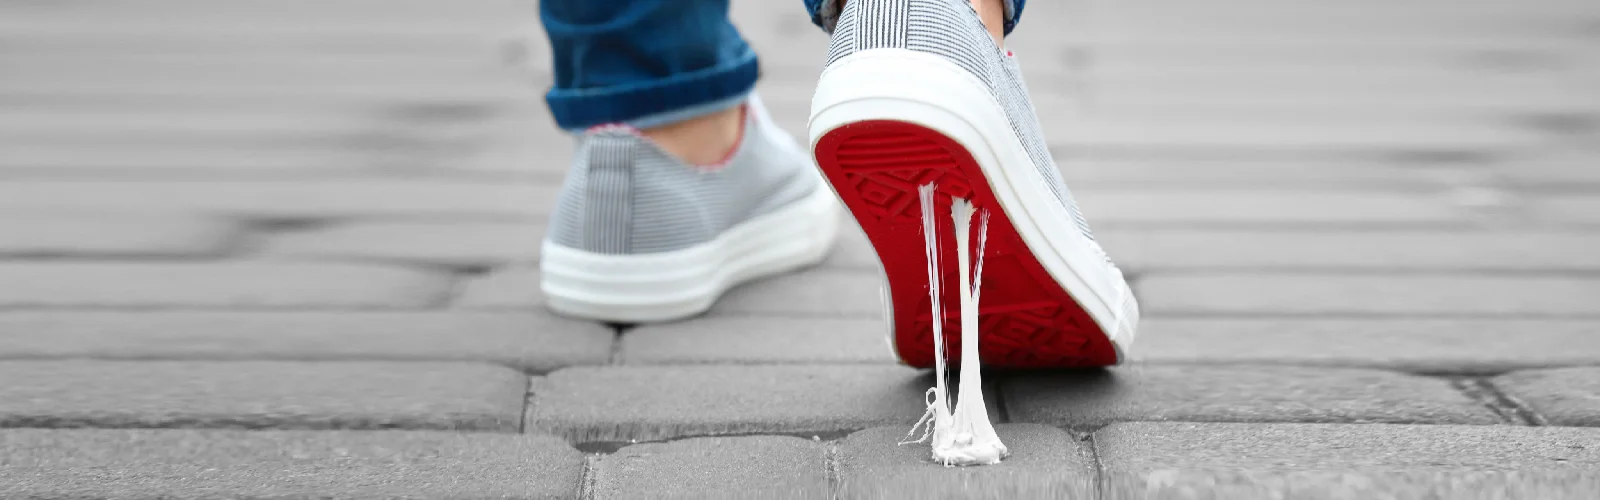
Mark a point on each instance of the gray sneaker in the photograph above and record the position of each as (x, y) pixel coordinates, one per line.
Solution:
(916, 93)
(638, 235)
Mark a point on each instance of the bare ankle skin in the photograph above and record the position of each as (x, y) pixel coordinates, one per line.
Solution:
(993, 14)
(704, 140)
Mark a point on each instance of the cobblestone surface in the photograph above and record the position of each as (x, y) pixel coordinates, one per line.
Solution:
(261, 394)
(1044, 463)
(327, 215)
(183, 464)
(530, 342)
(1479, 346)
(758, 340)
(1562, 396)
(1237, 394)
(717, 467)
(1173, 460)
(645, 403)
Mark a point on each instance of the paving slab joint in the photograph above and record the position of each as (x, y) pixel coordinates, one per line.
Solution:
(1094, 464)
(830, 462)
(617, 331)
(589, 480)
(1510, 409)
(527, 403)
(609, 447)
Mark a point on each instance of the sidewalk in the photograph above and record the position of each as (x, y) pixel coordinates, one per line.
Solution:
(286, 249)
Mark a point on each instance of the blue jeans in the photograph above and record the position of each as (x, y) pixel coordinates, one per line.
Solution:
(653, 62)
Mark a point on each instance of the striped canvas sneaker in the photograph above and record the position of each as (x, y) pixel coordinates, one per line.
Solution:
(639, 236)
(916, 93)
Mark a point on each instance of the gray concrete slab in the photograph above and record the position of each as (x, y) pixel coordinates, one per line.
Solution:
(454, 243)
(1094, 398)
(721, 339)
(261, 395)
(514, 287)
(319, 198)
(1281, 249)
(236, 285)
(1559, 396)
(815, 292)
(1044, 463)
(1368, 294)
(195, 464)
(621, 403)
(1483, 346)
(1238, 207)
(1346, 461)
(716, 467)
(106, 236)
(534, 342)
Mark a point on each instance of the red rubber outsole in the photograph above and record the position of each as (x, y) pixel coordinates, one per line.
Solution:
(1026, 319)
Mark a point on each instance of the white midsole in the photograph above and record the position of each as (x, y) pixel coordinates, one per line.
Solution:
(928, 90)
(678, 284)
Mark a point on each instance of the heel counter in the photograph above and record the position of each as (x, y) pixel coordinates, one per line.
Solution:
(868, 24)
(945, 28)
(594, 212)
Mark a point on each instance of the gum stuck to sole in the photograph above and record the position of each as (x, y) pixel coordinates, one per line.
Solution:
(1027, 320)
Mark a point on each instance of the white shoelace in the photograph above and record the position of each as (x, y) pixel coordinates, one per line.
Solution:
(963, 436)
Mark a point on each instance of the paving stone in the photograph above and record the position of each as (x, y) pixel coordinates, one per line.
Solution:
(1368, 294)
(613, 404)
(56, 157)
(1190, 249)
(1456, 346)
(322, 198)
(196, 464)
(1562, 396)
(817, 292)
(531, 342)
(261, 394)
(1342, 174)
(1045, 462)
(1575, 210)
(716, 467)
(1094, 398)
(1304, 137)
(1346, 461)
(852, 251)
(1189, 207)
(102, 235)
(444, 243)
(512, 287)
(232, 285)
(721, 339)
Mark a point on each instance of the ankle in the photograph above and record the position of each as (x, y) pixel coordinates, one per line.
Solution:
(993, 14)
(703, 140)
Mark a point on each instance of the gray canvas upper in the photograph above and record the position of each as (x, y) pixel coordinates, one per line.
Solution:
(625, 196)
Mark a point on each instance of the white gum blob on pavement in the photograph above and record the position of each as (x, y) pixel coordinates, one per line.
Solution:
(963, 436)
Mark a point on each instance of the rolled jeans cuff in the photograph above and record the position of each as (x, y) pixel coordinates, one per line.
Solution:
(659, 101)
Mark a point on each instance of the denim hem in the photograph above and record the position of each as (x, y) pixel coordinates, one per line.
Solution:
(659, 101)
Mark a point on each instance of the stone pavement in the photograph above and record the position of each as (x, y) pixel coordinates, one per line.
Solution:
(285, 249)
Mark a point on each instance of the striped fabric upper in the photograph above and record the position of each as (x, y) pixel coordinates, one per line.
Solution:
(951, 29)
(625, 196)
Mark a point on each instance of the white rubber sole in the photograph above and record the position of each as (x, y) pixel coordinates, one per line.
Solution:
(679, 284)
(927, 90)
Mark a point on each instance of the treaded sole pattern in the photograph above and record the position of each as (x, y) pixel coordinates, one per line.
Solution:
(1026, 319)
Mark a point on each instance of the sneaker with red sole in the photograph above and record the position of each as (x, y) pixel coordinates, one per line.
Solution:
(916, 92)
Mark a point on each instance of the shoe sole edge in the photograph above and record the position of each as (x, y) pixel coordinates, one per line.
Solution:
(923, 96)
